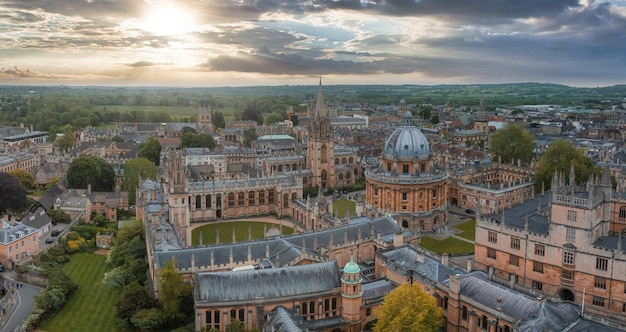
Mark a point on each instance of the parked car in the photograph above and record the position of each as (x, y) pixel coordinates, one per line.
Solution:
(55, 232)
(50, 240)
(470, 211)
(1, 267)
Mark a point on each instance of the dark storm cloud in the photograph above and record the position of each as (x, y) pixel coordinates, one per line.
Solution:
(254, 38)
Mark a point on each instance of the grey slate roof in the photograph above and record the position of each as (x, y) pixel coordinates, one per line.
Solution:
(281, 321)
(37, 220)
(281, 249)
(515, 217)
(268, 284)
(376, 289)
(405, 258)
(585, 325)
(534, 315)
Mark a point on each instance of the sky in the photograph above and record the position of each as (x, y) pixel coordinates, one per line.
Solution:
(207, 43)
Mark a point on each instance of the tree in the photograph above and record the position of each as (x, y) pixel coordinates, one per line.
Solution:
(426, 112)
(91, 170)
(58, 216)
(151, 149)
(250, 114)
(67, 141)
(218, 120)
(408, 308)
(512, 143)
(135, 168)
(170, 288)
(249, 135)
(12, 194)
(560, 156)
(193, 140)
(434, 119)
(134, 298)
(24, 178)
(273, 118)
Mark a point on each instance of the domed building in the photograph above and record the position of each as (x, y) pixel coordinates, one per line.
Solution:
(405, 184)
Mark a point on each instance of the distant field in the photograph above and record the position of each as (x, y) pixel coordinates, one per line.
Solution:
(175, 111)
(449, 245)
(209, 232)
(92, 307)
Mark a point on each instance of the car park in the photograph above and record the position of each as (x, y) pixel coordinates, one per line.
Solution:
(55, 232)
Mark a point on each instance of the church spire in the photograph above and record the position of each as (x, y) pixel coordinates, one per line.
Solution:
(319, 106)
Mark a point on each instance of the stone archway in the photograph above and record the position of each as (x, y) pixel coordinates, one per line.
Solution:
(566, 295)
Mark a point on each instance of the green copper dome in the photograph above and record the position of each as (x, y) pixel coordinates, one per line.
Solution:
(352, 267)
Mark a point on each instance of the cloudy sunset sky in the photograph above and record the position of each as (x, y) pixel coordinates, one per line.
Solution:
(266, 42)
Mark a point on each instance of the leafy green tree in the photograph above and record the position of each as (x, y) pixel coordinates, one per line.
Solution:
(426, 112)
(67, 141)
(408, 308)
(91, 170)
(127, 257)
(135, 168)
(117, 138)
(12, 194)
(273, 118)
(170, 288)
(193, 140)
(151, 149)
(135, 297)
(512, 143)
(560, 156)
(434, 119)
(148, 319)
(250, 114)
(25, 178)
(58, 216)
(218, 119)
(249, 135)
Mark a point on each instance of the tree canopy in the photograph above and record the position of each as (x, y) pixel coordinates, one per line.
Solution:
(560, 156)
(249, 135)
(408, 308)
(12, 194)
(151, 149)
(25, 178)
(91, 170)
(132, 170)
(512, 143)
(194, 140)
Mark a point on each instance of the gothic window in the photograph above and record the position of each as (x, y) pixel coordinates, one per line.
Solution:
(538, 267)
(208, 201)
(270, 196)
(491, 253)
(514, 260)
(343, 161)
(599, 282)
(198, 202)
(599, 301)
(240, 199)
(622, 212)
(515, 243)
(538, 285)
(568, 257)
(350, 160)
(540, 250)
(231, 199)
(492, 237)
(570, 234)
(285, 200)
(571, 215)
(324, 153)
(602, 263)
(348, 176)
(251, 198)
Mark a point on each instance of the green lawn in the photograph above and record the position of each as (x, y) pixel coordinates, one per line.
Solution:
(225, 229)
(340, 207)
(92, 307)
(468, 229)
(449, 245)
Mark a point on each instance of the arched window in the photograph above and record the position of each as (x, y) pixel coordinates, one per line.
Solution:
(251, 198)
(340, 176)
(343, 161)
(324, 153)
(231, 199)
(622, 212)
(351, 160)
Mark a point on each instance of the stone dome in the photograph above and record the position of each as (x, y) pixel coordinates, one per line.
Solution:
(407, 141)
(352, 267)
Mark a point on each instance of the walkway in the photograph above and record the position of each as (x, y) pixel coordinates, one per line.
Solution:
(23, 302)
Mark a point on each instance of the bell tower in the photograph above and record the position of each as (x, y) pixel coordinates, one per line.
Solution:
(320, 154)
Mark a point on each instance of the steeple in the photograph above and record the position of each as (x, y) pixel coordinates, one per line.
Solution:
(319, 106)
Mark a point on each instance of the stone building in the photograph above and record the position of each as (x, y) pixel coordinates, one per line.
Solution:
(406, 184)
(560, 245)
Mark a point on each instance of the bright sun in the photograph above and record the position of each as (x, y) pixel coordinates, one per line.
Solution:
(168, 19)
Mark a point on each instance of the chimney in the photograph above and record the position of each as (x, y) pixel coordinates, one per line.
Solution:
(455, 284)
(499, 304)
(398, 239)
(512, 281)
(420, 256)
(469, 265)
(445, 258)
(490, 272)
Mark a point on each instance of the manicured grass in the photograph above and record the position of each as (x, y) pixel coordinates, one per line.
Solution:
(468, 229)
(92, 307)
(449, 245)
(340, 207)
(225, 229)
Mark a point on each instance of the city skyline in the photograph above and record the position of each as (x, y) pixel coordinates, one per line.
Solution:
(240, 43)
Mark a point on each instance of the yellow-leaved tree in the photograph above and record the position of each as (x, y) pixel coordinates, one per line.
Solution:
(408, 308)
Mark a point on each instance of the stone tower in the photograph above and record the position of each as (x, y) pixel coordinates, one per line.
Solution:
(205, 123)
(351, 293)
(320, 158)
